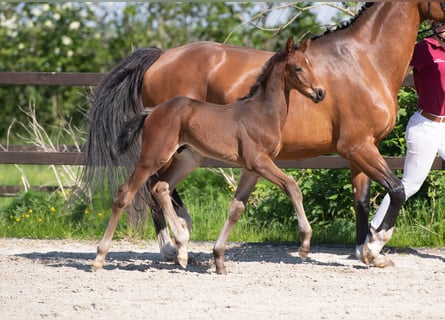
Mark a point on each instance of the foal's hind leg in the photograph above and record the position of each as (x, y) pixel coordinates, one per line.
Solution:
(182, 164)
(265, 167)
(247, 182)
(125, 195)
(161, 190)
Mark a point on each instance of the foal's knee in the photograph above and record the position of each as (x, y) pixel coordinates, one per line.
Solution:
(236, 208)
(122, 198)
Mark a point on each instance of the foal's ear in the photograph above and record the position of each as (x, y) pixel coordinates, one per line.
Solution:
(305, 44)
(290, 45)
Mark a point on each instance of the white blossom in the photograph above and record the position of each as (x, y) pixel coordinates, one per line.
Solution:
(21, 46)
(70, 53)
(36, 12)
(57, 16)
(74, 25)
(67, 40)
(48, 23)
(9, 23)
(67, 5)
(45, 7)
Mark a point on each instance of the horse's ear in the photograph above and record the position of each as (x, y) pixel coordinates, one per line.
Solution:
(305, 44)
(290, 45)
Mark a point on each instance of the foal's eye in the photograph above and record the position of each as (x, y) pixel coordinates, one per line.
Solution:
(298, 69)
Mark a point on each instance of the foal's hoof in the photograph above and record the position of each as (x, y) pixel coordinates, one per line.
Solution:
(382, 261)
(97, 265)
(221, 271)
(183, 258)
(183, 262)
(303, 253)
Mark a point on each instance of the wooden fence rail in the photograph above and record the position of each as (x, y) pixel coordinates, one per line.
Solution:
(22, 155)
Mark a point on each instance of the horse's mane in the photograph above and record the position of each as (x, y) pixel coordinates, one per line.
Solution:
(345, 24)
(281, 54)
(267, 68)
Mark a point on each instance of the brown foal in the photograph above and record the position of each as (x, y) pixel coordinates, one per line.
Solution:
(246, 132)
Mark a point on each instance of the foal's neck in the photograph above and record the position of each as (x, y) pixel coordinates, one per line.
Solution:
(273, 95)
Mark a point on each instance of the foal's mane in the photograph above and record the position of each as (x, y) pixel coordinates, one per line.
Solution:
(264, 75)
(346, 24)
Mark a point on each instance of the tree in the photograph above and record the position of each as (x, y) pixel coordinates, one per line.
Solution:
(93, 37)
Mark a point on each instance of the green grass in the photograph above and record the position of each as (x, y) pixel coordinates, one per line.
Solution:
(47, 216)
(420, 226)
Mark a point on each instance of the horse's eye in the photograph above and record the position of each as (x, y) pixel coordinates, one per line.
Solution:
(298, 69)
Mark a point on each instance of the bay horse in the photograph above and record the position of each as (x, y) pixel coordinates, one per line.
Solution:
(246, 133)
(362, 63)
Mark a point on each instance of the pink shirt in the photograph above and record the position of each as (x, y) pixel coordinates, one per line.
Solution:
(428, 62)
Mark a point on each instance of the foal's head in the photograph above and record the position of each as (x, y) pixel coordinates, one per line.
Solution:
(299, 74)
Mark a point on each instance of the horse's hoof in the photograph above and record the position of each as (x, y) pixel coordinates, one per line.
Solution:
(368, 255)
(169, 253)
(382, 261)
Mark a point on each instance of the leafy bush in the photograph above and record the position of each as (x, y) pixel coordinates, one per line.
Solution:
(47, 215)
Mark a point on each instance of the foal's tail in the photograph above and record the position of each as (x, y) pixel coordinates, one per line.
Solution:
(129, 132)
(117, 99)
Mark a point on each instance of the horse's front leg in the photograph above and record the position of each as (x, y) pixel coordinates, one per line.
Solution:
(379, 236)
(374, 165)
(361, 191)
(247, 182)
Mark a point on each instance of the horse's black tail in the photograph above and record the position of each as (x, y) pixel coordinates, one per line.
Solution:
(117, 99)
(129, 132)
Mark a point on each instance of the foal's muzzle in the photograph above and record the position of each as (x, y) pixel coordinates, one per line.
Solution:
(318, 94)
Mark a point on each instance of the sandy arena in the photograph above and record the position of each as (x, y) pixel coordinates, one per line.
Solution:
(51, 279)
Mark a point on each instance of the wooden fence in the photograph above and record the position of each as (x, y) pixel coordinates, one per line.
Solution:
(23, 155)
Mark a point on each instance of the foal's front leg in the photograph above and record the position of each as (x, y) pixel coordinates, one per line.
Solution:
(247, 182)
(267, 169)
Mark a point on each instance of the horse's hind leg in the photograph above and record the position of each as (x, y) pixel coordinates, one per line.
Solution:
(247, 182)
(125, 195)
(265, 167)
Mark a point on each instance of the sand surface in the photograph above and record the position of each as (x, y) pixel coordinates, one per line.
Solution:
(51, 279)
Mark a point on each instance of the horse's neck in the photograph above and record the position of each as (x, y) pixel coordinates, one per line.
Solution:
(271, 96)
(382, 38)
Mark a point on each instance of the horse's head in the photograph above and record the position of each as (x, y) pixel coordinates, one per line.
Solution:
(299, 73)
(432, 10)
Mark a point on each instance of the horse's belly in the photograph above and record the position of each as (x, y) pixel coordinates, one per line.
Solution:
(306, 136)
(299, 149)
